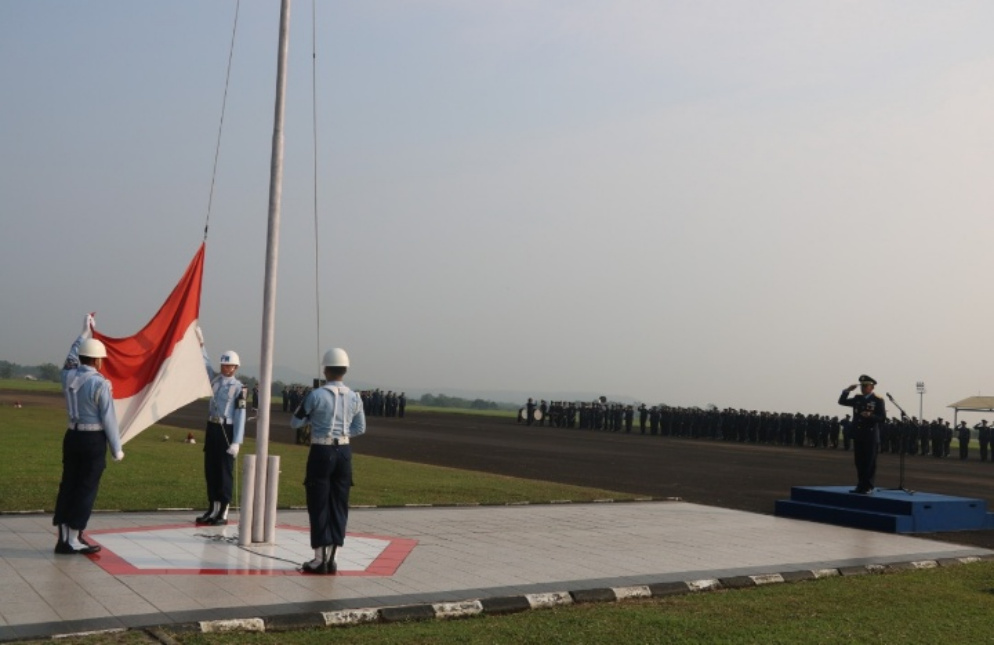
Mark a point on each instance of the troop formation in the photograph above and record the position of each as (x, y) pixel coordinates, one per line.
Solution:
(377, 403)
(933, 438)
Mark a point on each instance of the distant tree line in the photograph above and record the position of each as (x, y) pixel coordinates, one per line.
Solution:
(444, 401)
(44, 372)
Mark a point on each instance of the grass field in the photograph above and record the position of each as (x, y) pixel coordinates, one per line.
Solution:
(946, 605)
(161, 471)
(24, 385)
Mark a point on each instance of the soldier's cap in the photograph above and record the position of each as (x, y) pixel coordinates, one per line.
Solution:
(863, 378)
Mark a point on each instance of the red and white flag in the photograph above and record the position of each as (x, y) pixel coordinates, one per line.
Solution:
(161, 368)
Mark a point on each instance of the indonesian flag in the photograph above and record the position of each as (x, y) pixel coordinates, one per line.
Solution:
(161, 368)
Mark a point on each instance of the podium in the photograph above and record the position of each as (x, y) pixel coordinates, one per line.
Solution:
(886, 510)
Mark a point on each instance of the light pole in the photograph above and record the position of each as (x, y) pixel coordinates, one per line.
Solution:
(920, 386)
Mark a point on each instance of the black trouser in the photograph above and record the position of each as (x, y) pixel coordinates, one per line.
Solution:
(329, 479)
(84, 457)
(865, 455)
(219, 466)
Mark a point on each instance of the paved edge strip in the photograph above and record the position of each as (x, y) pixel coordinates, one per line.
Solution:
(625, 500)
(527, 602)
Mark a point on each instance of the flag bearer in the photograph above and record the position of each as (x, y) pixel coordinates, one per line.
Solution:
(335, 414)
(92, 426)
(225, 433)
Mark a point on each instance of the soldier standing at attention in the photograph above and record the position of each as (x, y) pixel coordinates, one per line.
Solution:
(335, 414)
(868, 413)
(225, 432)
(92, 427)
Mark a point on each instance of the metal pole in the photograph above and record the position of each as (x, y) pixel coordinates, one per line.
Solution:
(269, 291)
(248, 501)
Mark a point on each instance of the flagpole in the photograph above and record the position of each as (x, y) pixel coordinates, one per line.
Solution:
(262, 500)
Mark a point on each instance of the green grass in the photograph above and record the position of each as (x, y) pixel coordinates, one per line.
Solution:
(23, 385)
(167, 473)
(943, 606)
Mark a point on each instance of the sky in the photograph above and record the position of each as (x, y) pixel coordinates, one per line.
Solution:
(691, 203)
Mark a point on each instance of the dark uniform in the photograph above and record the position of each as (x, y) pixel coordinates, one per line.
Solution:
(984, 438)
(963, 434)
(869, 412)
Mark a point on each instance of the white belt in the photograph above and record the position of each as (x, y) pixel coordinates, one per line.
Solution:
(220, 420)
(88, 427)
(331, 441)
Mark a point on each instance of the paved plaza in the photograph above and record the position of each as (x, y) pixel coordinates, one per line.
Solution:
(159, 569)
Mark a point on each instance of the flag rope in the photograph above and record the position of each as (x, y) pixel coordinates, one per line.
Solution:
(220, 127)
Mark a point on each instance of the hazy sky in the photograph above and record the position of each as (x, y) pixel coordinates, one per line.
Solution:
(740, 203)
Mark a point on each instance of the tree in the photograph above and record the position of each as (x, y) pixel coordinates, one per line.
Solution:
(6, 369)
(49, 372)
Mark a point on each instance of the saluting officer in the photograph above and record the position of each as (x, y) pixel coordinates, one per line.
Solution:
(335, 414)
(868, 413)
(225, 433)
(92, 426)
(963, 434)
(983, 438)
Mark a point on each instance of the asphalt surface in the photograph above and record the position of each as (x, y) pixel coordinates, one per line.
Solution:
(731, 475)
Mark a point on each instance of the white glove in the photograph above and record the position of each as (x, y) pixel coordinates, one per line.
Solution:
(233, 449)
(119, 455)
(88, 323)
(200, 336)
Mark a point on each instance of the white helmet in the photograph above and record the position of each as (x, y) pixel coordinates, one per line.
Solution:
(335, 357)
(92, 348)
(230, 358)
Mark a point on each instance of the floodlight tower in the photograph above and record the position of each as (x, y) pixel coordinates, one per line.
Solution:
(920, 386)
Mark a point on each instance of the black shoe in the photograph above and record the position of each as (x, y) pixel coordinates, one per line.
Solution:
(859, 491)
(204, 519)
(215, 521)
(63, 548)
(319, 570)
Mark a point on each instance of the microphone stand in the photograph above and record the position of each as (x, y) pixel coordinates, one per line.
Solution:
(904, 448)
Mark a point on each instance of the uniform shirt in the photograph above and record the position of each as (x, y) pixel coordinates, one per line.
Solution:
(334, 411)
(228, 400)
(860, 403)
(89, 399)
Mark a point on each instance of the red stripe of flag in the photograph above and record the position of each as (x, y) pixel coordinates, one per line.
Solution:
(132, 363)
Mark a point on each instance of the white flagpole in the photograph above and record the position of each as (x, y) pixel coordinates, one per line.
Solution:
(262, 501)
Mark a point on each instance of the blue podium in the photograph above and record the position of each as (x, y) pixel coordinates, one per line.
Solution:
(891, 511)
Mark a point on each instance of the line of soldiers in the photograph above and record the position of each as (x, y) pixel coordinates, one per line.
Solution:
(384, 404)
(375, 403)
(750, 426)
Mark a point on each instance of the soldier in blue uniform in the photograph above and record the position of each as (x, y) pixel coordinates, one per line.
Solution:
(868, 413)
(92, 427)
(225, 433)
(335, 414)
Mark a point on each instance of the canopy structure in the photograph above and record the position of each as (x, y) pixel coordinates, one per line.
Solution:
(972, 404)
